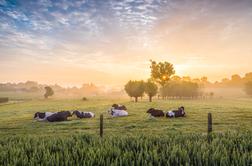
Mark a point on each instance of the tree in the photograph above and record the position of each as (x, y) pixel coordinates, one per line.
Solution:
(248, 88)
(248, 76)
(161, 72)
(180, 89)
(150, 89)
(49, 92)
(135, 89)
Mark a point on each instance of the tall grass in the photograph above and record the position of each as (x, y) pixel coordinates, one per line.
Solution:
(172, 149)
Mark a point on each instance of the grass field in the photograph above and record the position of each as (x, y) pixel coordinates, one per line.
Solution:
(133, 140)
(228, 115)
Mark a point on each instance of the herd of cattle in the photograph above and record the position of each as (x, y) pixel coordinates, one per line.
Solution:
(115, 111)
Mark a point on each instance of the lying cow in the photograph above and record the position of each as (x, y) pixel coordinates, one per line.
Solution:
(81, 115)
(119, 107)
(176, 113)
(59, 116)
(118, 110)
(155, 112)
(42, 116)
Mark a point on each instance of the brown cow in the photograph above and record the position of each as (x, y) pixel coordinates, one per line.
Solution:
(155, 112)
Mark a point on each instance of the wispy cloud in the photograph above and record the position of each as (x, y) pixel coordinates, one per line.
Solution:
(121, 36)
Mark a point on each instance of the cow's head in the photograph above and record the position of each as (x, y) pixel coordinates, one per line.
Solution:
(36, 115)
(182, 109)
(68, 113)
(115, 106)
(39, 115)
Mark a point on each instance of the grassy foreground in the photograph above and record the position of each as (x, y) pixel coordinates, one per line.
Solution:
(189, 149)
(133, 140)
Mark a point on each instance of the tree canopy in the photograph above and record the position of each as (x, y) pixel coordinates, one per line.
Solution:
(135, 89)
(161, 72)
(180, 89)
(49, 92)
(151, 89)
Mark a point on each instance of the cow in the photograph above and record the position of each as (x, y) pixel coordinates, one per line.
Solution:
(118, 110)
(176, 113)
(81, 115)
(155, 112)
(119, 107)
(42, 116)
(59, 116)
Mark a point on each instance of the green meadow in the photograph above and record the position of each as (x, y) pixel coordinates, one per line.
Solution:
(133, 140)
(16, 118)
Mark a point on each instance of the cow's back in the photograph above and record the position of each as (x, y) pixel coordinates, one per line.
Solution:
(57, 117)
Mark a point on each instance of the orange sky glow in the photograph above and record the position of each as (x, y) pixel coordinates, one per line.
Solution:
(71, 43)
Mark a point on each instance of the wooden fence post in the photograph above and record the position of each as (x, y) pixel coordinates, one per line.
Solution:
(101, 125)
(209, 127)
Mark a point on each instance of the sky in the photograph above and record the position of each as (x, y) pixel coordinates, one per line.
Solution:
(108, 42)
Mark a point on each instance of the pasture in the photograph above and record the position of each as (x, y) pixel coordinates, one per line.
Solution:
(133, 140)
(228, 115)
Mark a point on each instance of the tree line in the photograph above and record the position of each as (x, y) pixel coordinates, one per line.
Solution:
(160, 78)
(164, 82)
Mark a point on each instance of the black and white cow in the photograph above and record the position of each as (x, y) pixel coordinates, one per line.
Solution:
(176, 113)
(81, 115)
(119, 107)
(155, 112)
(42, 116)
(59, 116)
(118, 110)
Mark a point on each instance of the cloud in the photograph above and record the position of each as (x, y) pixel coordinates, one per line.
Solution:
(121, 36)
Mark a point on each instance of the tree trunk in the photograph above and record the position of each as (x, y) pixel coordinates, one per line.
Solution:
(150, 98)
(136, 99)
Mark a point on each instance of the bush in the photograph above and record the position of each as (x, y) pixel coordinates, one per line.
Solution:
(4, 99)
(84, 99)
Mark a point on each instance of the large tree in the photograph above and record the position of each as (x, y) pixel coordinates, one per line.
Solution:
(151, 89)
(161, 72)
(135, 89)
(49, 92)
(248, 88)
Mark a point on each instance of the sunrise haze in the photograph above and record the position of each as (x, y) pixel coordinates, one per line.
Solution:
(110, 42)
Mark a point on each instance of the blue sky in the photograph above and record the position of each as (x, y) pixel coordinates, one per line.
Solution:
(109, 42)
